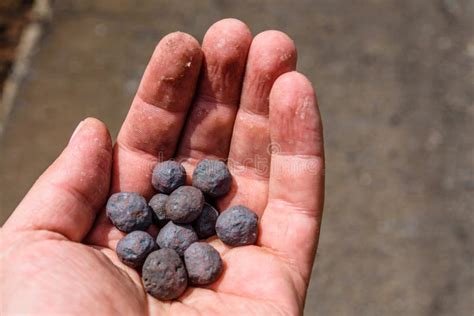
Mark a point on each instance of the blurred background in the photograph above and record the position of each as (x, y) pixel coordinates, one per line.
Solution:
(395, 81)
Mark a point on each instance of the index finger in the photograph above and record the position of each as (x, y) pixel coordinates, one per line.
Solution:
(153, 124)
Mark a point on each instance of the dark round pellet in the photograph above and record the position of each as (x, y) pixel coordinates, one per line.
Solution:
(203, 263)
(237, 226)
(212, 177)
(128, 211)
(176, 237)
(157, 204)
(133, 248)
(168, 176)
(164, 275)
(184, 205)
(205, 224)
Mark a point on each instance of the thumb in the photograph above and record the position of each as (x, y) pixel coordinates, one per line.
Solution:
(67, 196)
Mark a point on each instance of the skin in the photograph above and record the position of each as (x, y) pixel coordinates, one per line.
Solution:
(57, 248)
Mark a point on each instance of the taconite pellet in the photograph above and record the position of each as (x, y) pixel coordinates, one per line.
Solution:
(184, 205)
(212, 177)
(203, 263)
(164, 275)
(237, 226)
(205, 224)
(128, 211)
(176, 237)
(157, 204)
(133, 248)
(167, 176)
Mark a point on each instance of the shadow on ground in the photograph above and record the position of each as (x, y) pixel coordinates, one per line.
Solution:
(395, 86)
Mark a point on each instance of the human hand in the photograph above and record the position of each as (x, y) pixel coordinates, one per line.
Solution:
(58, 256)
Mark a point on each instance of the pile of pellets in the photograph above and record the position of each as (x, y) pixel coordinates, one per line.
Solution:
(178, 257)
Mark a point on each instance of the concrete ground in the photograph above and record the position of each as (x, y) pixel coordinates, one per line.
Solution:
(395, 81)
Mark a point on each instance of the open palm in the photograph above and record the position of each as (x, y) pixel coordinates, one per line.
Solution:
(236, 99)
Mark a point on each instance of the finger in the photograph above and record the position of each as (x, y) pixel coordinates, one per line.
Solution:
(209, 125)
(153, 124)
(66, 197)
(291, 221)
(271, 54)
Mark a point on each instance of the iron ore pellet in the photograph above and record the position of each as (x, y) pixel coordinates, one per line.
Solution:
(167, 176)
(128, 211)
(157, 204)
(164, 275)
(176, 237)
(184, 205)
(205, 224)
(212, 177)
(203, 263)
(237, 226)
(134, 247)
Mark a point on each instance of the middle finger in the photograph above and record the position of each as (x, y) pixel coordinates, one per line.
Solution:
(209, 125)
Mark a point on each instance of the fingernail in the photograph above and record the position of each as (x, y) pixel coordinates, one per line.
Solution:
(78, 127)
